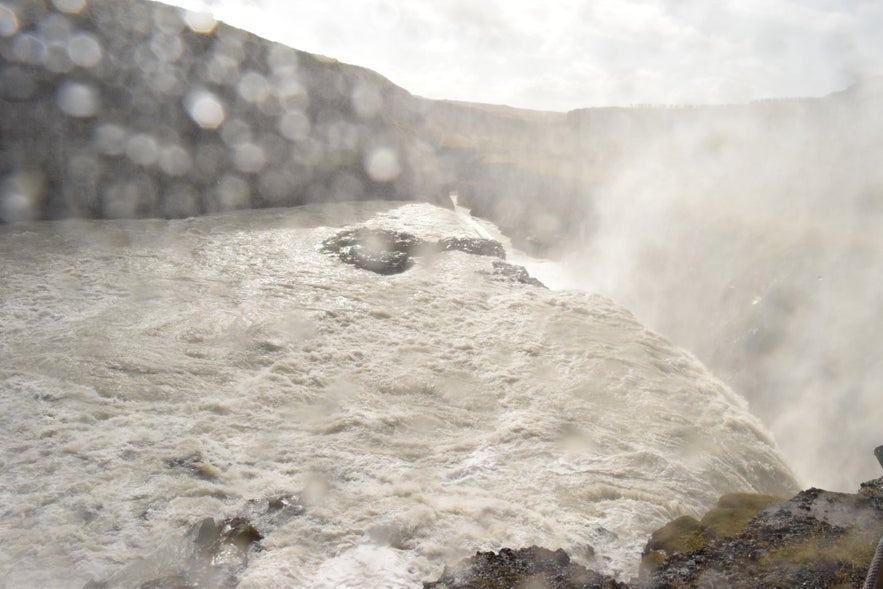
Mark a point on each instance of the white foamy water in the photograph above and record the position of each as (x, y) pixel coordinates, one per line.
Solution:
(420, 416)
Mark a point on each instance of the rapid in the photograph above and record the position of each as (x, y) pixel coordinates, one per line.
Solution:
(417, 417)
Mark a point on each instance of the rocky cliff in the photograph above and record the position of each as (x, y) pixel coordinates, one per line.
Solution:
(133, 109)
(816, 539)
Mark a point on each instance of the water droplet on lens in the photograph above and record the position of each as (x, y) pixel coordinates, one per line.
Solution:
(167, 48)
(78, 100)
(110, 139)
(29, 49)
(174, 160)
(235, 131)
(294, 125)
(366, 101)
(69, 6)
(202, 23)
(142, 149)
(383, 164)
(168, 20)
(232, 193)
(20, 196)
(249, 158)
(84, 50)
(205, 109)
(253, 87)
(8, 21)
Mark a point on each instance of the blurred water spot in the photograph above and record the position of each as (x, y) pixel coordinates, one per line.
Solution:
(232, 193)
(366, 101)
(294, 125)
(382, 164)
(205, 109)
(174, 160)
(121, 200)
(167, 47)
(84, 50)
(170, 22)
(235, 132)
(55, 28)
(8, 21)
(253, 87)
(221, 69)
(202, 23)
(142, 149)
(110, 139)
(249, 157)
(281, 60)
(26, 48)
(69, 6)
(20, 196)
(78, 100)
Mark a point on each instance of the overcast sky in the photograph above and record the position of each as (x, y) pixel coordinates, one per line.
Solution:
(565, 54)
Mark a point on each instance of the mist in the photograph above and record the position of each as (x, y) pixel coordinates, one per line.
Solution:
(750, 236)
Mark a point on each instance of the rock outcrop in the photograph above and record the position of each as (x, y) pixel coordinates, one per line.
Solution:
(514, 273)
(214, 553)
(528, 567)
(378, 250)
(817, 539)
(392, 252)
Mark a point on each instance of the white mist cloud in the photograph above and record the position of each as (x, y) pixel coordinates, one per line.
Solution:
(578, 53)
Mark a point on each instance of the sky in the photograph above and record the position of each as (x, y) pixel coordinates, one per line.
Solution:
(566, 54)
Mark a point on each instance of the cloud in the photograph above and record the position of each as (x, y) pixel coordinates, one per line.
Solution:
(579, 53)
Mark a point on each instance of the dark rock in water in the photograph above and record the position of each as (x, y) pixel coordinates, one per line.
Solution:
(505, 271)
(473, 245)
(878, 452)
(285, 504)
(375, 240)
(195, 465)
(240, 533)
(816, 539)
(392, 252)
(378, 250)
(171, 582)
(379, 262)
(219, 555)
(207, 532)
(528, 567)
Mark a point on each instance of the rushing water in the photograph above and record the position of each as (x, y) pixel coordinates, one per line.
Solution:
(419, 417)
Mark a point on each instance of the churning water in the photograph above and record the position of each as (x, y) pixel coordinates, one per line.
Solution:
(417, 417)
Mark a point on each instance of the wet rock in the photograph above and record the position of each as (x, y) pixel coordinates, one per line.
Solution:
(473, 245)
(392, 252)
(285, 505)
(171, 582)
(528, 567)
(379, 262)
(378, 250)
(513, 273)
(816, 539)
(195, 465)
